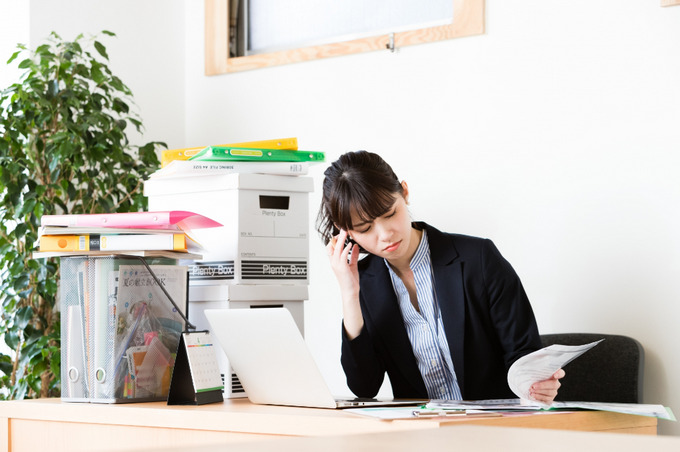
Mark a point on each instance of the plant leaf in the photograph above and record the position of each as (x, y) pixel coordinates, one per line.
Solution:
(23, 317)
(13, 57)
(101, 49)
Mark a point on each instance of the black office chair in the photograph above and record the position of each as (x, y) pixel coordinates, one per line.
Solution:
(611, 371)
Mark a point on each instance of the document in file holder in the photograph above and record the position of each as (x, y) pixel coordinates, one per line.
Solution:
(119, 330)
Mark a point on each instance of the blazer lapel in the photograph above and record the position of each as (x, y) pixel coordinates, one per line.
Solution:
(383, 310)
(448, 280)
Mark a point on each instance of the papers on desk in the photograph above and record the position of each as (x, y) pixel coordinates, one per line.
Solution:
(489, 408)
(493, 405)
(417, 412)
(657, 411)
(537, 366)
(541, 365)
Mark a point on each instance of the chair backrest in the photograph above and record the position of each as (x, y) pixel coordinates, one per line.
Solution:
(612, 371)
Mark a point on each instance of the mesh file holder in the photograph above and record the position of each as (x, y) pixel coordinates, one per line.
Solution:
(119, 328)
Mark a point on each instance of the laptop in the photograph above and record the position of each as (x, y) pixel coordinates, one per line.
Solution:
(270, 357)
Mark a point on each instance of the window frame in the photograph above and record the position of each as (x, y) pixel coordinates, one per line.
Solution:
(468, 20)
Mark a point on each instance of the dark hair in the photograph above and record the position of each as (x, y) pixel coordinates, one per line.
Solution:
(359, 183)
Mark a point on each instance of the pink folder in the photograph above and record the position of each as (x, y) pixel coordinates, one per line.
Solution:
(175, 219)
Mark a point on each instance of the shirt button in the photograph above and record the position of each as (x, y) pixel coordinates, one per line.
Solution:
(442, 390)
(433, 363)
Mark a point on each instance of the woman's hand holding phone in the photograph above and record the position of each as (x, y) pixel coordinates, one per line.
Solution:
(343, 254)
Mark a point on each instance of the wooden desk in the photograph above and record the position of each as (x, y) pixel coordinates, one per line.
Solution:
(465, 437)
(29, 425)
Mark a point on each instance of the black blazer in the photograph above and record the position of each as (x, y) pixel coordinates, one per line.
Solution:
(486, 314)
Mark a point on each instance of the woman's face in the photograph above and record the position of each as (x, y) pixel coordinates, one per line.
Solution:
(389, 236)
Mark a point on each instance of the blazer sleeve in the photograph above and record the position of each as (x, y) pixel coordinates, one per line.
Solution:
(509, 307)
(362, 365)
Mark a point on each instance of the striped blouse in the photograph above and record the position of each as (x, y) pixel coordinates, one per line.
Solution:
(425, 328)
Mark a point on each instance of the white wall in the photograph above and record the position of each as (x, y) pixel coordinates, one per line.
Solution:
(147, 53)
(555, 134)
(13, 30)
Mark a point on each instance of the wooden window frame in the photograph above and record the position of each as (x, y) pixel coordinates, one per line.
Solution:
(468, 20)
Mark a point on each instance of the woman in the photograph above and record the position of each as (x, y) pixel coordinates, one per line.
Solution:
(444, 315)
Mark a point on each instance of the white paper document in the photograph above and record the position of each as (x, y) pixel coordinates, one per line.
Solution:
(489, 404)
(514, 405)
(640, 409)
(541, 365)
(418, 412)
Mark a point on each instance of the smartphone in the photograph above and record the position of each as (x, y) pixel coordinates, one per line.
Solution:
(348, 240)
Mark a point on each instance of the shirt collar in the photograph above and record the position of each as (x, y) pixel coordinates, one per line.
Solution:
(422, 253)
(420, 257)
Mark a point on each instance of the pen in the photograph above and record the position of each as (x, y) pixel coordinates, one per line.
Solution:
(438, 413)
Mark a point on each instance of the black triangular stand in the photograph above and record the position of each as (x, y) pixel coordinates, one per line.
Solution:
(182, 389)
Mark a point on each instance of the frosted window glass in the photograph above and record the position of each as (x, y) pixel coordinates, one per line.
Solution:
(284, 24)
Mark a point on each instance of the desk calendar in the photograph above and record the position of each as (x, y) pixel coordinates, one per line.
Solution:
(196, 379)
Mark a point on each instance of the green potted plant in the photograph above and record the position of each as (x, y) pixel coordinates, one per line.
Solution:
(63, 149)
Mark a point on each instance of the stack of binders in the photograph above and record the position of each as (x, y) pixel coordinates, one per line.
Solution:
(122, 311)
(259, 257)
(280, 157)
(134, 231)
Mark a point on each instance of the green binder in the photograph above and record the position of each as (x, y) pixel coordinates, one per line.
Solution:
(237, 154)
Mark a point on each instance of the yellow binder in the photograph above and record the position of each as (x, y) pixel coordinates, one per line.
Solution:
(113, 242)
(169, 155)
